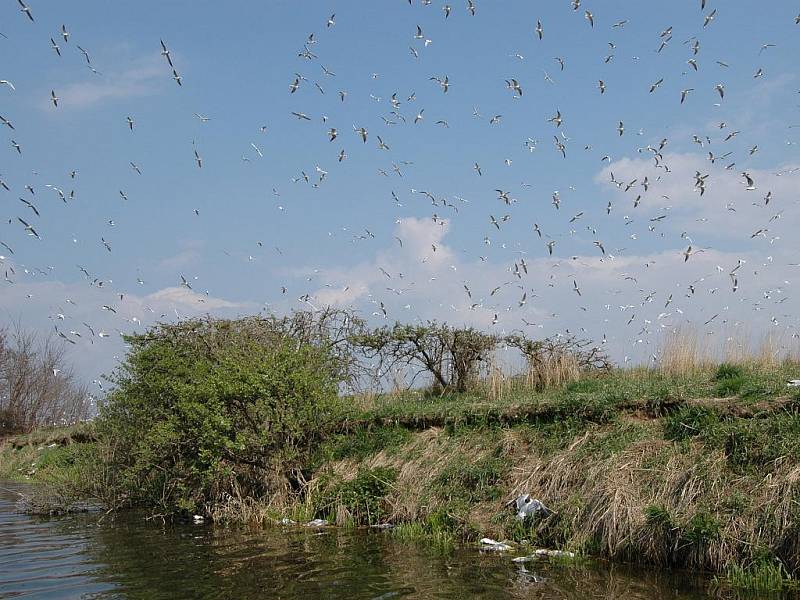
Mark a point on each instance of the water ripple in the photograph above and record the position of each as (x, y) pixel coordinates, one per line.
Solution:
(80, 557)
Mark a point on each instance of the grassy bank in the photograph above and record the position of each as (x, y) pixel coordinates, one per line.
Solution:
(697, 470)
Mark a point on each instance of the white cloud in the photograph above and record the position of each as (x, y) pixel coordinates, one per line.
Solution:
(142, 78)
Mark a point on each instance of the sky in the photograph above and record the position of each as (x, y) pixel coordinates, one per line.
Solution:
(266, 217)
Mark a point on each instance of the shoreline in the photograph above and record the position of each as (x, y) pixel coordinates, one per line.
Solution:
(635, 467)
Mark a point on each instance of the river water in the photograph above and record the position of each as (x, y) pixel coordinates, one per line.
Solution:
(85, 557)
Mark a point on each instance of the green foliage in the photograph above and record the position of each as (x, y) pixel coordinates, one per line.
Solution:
(206, 407)
(727, 371)
(362, 497)
(466, 481)
(690, 420)
(701, 529)
(362, 443)
(754, 443)
(730, 379)
(657, 516)
(763, 576)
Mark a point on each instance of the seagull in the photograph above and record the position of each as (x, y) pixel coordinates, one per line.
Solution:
(55, 46)
(331, 22)
(31, 231)
(654, 87)
(65, 33)
(362, 132)
(54, 98)
(31, 206)
(514, 86)
(26, 9)
(7, 83)
(589, 17)
(130, 123)
(85, 55)
(165, 53)
(539, 30)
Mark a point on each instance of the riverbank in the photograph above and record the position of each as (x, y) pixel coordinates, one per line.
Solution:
(695, 470)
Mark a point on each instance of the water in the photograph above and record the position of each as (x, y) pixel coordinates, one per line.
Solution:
(85, 557)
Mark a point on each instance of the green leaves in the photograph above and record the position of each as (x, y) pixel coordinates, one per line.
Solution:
(208, 407)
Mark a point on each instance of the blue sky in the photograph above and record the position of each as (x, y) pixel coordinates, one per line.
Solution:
(260, 227)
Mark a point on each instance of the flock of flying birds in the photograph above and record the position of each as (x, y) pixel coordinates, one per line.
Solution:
(497, 296)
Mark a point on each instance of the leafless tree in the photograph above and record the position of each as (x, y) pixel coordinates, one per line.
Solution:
(451, 356)
(37, 387)
(558, 359)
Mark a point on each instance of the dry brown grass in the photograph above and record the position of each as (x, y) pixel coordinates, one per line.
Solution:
(553, 371)
(603, 504)
(684, 352)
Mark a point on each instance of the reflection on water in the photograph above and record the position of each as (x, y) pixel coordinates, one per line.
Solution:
(77, 557)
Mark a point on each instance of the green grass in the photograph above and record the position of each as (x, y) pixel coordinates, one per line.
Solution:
(361, 497)
(594, 399)
(464, 480)
(434, 532)
(763, 576)
(363, 442)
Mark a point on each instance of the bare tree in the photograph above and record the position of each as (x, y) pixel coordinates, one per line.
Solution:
(37, 387)
(450, 355)
(558, 359)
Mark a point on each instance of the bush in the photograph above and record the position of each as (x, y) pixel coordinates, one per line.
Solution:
(730, 379)
(689, 421)
(359, 501)
(701, 529)
(211, 407)
(466, 481)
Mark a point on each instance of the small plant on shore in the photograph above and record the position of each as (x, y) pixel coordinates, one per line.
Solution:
(437, 532)
(359, 501)
(763, 576)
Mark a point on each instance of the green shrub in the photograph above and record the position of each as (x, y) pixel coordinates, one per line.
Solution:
(362, 443)
(362, 497)
(753, 443)
(730, 379)
(689, 421)
(209, 407)
(468, 482)
(701, 529)
(657, 516)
